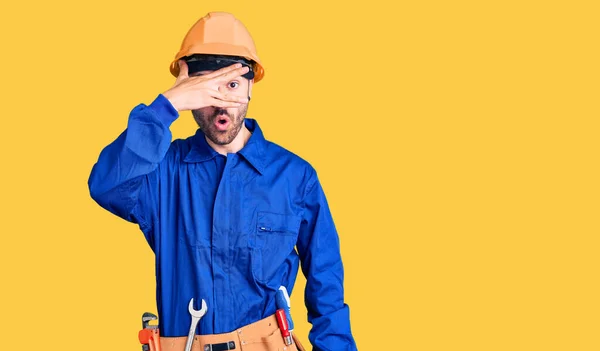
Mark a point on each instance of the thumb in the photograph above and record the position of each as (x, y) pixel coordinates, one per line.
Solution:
(183, 70)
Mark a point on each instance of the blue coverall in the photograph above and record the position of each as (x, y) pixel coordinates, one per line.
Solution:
(226, 229)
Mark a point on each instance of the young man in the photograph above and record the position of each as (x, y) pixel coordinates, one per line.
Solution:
(229, 215)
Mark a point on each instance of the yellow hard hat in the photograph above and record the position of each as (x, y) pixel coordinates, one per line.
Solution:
(219, 33)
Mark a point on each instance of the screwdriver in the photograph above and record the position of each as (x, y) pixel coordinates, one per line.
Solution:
(283, 326)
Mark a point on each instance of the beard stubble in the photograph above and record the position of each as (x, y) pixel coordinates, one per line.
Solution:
(205, 118)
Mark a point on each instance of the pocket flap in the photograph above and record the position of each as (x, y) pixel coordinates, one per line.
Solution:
(277, 222)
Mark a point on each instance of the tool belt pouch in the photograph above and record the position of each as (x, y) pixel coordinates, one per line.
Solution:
(263, 335)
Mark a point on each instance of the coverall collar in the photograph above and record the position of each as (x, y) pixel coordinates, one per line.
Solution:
(253, 151)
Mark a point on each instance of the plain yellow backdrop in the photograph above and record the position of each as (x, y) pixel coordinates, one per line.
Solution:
(457, 142)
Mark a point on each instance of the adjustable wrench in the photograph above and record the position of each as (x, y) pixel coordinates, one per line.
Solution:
(196, 315)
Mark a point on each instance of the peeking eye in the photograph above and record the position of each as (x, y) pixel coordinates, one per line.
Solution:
(233, 85)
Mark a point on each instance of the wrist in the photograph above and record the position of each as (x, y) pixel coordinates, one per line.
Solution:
(169, 96)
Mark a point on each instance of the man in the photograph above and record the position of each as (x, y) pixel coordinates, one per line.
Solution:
(229, 215)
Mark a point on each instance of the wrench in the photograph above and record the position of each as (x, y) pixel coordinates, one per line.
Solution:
(196, 315)
(146, 318)
(149, 335)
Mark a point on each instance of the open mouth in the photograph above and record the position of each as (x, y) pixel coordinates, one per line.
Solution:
(222, 123)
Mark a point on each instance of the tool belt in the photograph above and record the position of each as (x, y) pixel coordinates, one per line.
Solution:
(263, 335)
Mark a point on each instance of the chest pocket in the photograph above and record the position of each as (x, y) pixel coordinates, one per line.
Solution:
(275, 237)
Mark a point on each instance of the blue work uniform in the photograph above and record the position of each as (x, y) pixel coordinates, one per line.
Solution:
(227, 229)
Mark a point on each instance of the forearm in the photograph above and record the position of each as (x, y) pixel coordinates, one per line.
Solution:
(319, 249)
(116, 178)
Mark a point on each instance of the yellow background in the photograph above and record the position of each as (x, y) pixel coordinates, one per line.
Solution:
(457, 142)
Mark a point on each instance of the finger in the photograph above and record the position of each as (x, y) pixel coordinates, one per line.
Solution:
(233, 74)
(229, 97)
(222, 70)
(183, 70)
(236, 98)
(224, 104)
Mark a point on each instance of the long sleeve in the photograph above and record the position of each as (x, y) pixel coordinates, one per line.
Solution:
(319, 250)
(124, 181)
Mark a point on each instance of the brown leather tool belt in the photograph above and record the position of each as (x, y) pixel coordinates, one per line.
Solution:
(263, 335)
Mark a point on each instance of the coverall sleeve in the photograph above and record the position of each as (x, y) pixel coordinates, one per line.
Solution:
(319, 250)
(124, 180)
